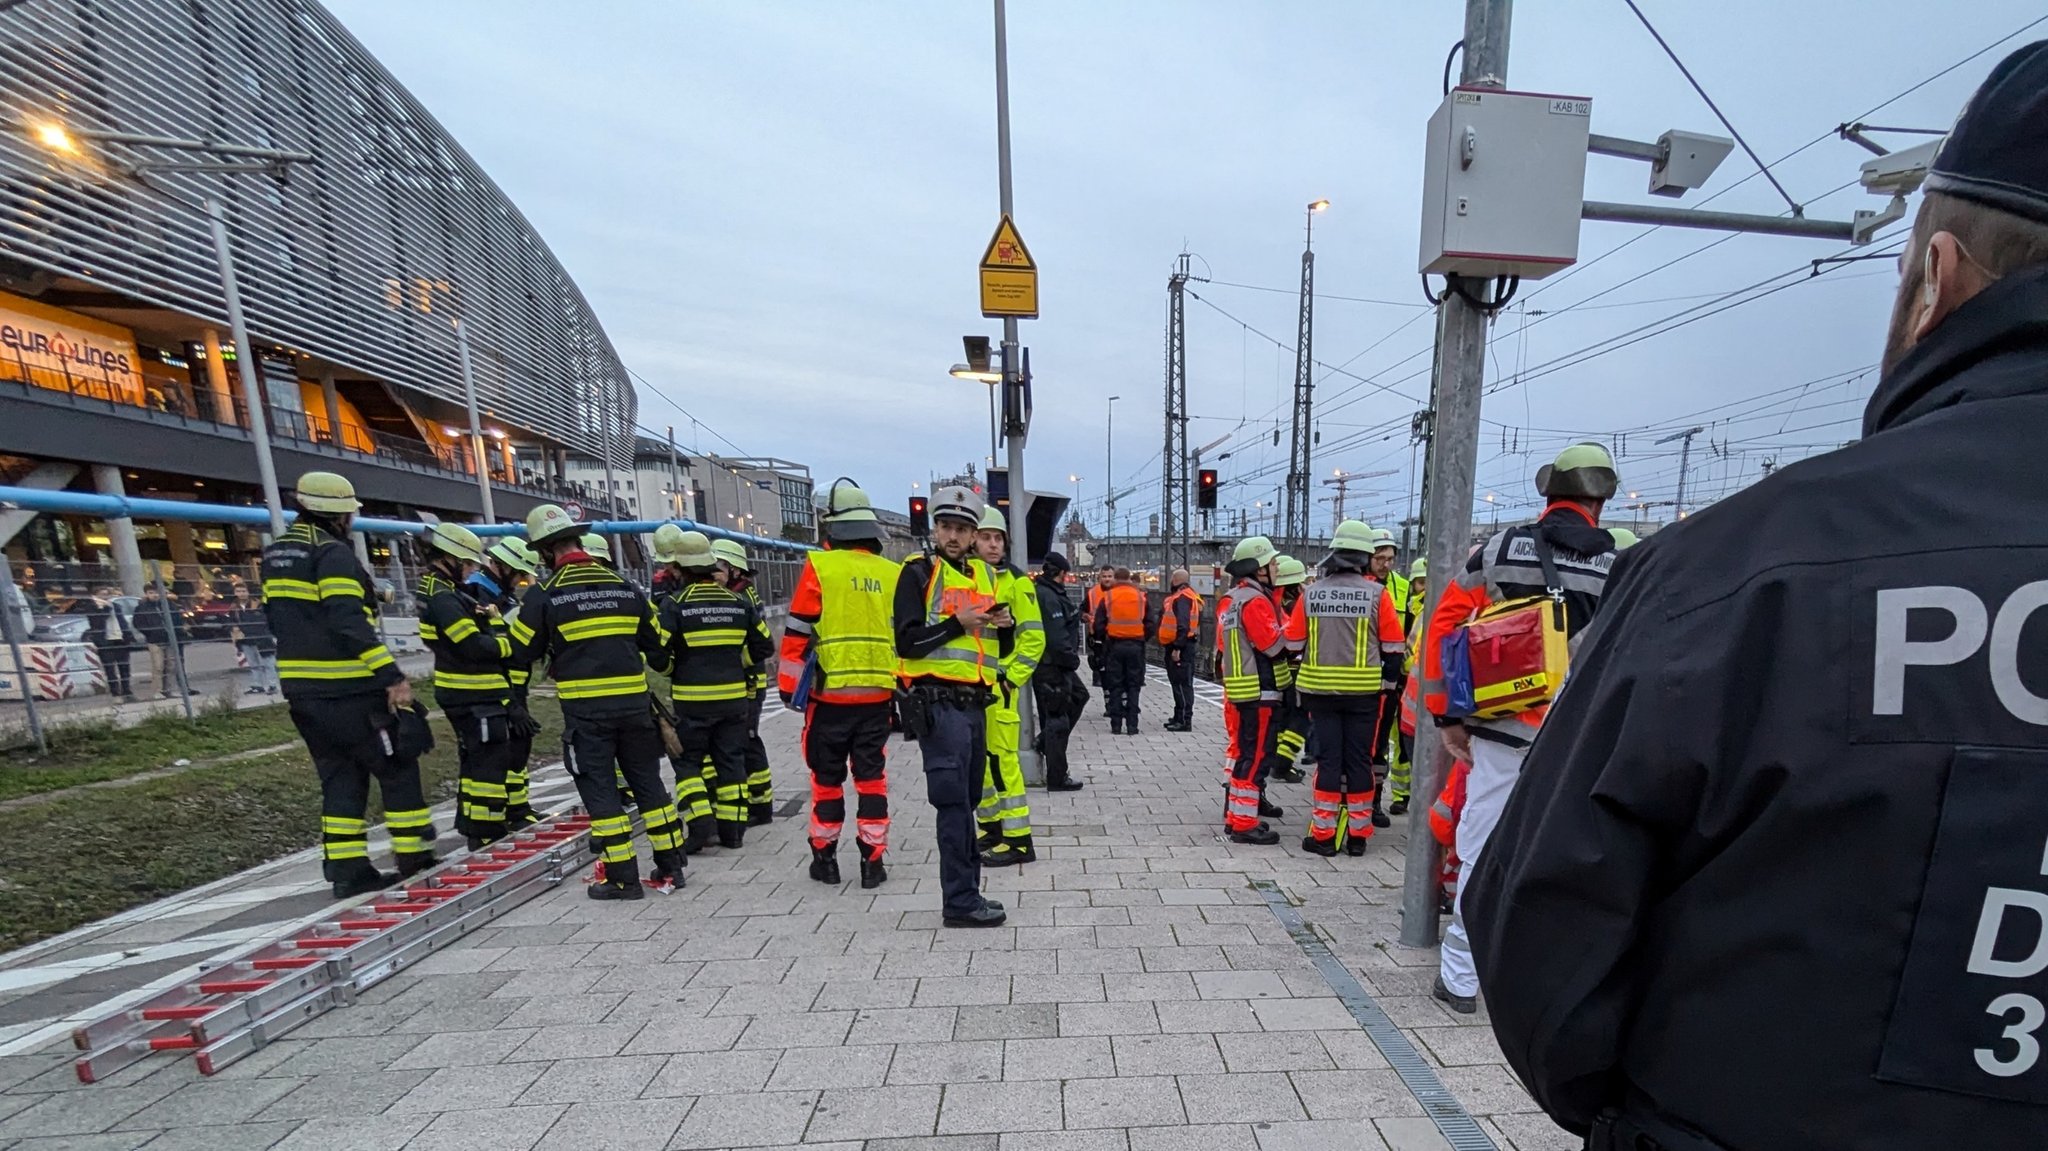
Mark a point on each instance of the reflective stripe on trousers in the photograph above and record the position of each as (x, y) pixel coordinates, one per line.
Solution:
(1003, 803)
(1495, 767)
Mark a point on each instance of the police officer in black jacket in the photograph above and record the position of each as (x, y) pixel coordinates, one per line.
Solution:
(1057, 687)
(1773, 873)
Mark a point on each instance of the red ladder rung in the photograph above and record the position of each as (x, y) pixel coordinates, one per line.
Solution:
(173, 1043)
(283, 962)
(408, 907)
(367, 924)
(193, 1011)
(233, 986)
(326, 942)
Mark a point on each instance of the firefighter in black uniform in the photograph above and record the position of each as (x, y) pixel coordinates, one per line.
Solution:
(714, 641)
(344, 689)
(1772, 876)
(595, 630)
(469, 680)
(496, 584)
(739, 578)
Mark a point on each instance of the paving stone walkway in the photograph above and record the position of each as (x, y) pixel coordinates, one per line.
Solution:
(1143, 996)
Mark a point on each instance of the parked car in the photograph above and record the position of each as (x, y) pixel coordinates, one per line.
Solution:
(70, 628)
(210, 619)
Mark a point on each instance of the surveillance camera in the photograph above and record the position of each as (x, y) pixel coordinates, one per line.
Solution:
(1900, 173)
(977, 352)
(1686, 161)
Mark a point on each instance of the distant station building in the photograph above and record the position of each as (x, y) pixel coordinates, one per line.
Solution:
(117, 372)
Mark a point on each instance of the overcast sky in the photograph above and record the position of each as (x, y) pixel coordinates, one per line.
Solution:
(776, 210)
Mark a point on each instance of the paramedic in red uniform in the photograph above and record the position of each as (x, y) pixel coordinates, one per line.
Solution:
(1508, 567)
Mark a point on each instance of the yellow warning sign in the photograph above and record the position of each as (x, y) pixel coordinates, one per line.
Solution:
(1006, 249)
(1009, 276)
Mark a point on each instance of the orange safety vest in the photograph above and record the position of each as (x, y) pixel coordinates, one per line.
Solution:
(1169, 628)
(1126, 607)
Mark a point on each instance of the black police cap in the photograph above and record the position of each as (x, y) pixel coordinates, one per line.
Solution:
(1997, 154)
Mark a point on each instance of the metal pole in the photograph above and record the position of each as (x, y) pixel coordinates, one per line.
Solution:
(993, 437)
(1109, 468)
(1453, 466)
(28, 695)
(163, 605)
(1020, 497)
(1296, 536)
(611, 479)
(675, 478)
(245, 359)
(1684, 465)
(476, 424)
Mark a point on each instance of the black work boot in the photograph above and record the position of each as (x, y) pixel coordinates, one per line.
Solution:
(732, 833)
(1270, 810)
(668, 872)
(360, 879)
(1009, 851)
(1258, 835)
(825, 863)
(872, 873)
(411, 863)
(1380, 818)
(1462, 1004)
(1398, 807)
(703, 833)
(1064, 783)
(621, 881)
(760, 814)
(1354, 846)
(1327, 848)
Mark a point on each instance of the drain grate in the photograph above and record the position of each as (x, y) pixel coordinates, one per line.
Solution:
(1442, 1107)
(792, 806)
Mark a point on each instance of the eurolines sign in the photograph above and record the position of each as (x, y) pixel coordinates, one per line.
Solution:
(53, 348)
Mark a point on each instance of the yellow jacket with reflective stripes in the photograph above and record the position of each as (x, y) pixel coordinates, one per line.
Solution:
(1020, 647)
(317, 598)
(931, 643)
(599, 635)
(469, 657)
(840, 613)
(714, 642)
(757, 674)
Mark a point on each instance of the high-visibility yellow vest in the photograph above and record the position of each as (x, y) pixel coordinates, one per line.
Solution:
(853, 639)
(1342, 655)
(964, 658)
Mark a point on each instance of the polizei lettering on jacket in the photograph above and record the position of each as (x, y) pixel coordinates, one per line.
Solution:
(1975, 634)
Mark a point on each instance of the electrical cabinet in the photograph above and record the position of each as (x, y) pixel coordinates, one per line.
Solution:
(1503, 180)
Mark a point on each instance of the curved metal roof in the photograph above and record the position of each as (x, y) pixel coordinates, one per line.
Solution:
(362, 258)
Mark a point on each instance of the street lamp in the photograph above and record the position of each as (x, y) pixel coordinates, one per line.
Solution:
(977, 368)
(1109, 462)
(65, 141)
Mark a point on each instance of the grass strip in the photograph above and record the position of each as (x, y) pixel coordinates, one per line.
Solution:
(79, 858)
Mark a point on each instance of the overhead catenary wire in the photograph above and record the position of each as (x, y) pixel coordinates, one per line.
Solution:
(1797, 208)
(1714, 305)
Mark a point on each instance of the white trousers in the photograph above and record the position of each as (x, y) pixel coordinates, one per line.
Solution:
(1495, 768)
